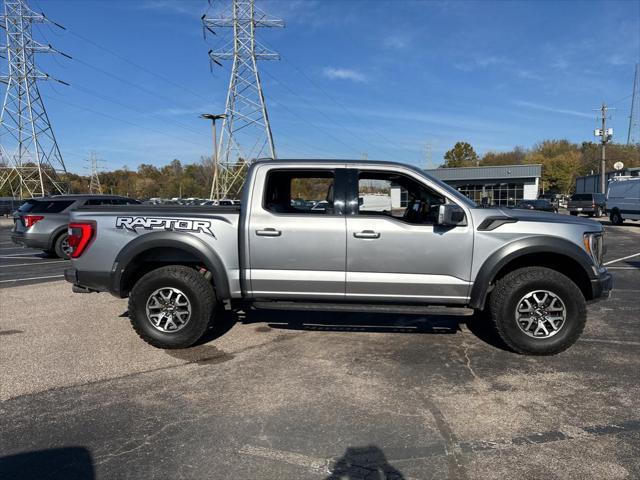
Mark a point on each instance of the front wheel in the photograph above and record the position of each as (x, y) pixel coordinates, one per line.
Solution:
(171, 307)
(538, 311)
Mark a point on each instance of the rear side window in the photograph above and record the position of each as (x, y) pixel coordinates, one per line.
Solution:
(299, 191)
(51, 206)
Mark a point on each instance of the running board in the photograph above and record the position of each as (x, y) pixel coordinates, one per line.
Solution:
(361, 308)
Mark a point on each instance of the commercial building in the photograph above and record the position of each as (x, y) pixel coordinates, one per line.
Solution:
(502, 185)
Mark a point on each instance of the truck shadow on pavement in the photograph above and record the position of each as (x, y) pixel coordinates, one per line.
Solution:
(432, 324)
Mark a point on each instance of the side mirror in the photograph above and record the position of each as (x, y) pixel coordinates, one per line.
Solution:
(451, 215)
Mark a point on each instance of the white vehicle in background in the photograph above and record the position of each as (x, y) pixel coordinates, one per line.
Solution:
(623, 199)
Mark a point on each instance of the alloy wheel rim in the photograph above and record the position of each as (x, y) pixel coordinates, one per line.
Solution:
(66, 248)
(168, 310)
(541, 314)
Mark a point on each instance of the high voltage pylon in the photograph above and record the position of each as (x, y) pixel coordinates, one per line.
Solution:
(94, 182)
(246, 132)
(30, 159)
(633, 135)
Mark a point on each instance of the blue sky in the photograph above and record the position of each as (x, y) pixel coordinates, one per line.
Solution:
(398, 75)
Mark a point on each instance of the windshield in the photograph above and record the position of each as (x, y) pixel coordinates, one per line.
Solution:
(450, 190)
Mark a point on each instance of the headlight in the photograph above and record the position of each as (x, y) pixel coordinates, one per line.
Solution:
(594, 245)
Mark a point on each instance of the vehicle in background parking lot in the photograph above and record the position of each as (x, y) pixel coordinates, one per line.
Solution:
(623, 199)
(542, 205)
(8, 205)
(533, 271)
(593, 204)
(42, 222)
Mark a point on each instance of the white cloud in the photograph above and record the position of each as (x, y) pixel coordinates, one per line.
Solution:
(481, 62)
(344, 74)
(395, 42)
(545, 108)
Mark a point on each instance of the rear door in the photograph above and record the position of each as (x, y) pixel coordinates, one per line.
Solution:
(395, 250)
(296, 252)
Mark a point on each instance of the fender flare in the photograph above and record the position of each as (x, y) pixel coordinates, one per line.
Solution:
(181, 241)
(519, 248)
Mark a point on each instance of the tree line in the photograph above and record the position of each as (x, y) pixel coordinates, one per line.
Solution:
(562, 161)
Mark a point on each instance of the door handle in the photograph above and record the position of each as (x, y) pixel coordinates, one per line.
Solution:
(366, 234)
(268, 232)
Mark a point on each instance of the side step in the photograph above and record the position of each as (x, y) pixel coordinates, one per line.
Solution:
(361, 308)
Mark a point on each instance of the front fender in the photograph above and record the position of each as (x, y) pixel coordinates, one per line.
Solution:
(514, 250)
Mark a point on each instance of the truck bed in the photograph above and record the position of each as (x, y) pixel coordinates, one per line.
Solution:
(165, 209)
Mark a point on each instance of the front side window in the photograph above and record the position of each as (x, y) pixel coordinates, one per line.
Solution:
(397, 196)
(300, 191)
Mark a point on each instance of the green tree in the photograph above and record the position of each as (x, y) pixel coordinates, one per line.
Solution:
(461, 155)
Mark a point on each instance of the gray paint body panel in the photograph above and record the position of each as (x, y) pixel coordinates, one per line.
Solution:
(317, 257)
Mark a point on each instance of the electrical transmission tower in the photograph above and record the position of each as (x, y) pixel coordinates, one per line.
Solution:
(30, 160)
(246, 132)
(633, 135)
(94, 182)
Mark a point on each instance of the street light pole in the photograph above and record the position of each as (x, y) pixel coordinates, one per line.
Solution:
(213, 195)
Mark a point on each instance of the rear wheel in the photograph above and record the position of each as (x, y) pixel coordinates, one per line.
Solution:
(616, 218)
(171, 307)
(575, 214)
(61, 246)
(537, 311)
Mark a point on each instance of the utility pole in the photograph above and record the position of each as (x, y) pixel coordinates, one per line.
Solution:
(30, 160)
(94, 182)
(215, 187)
(605, 137)
(634, 117)
(245, 134)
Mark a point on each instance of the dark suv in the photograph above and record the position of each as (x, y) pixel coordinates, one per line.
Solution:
(593, 204)
(42, 222)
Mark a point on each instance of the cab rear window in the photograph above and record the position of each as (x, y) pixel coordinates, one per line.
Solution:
(51, 206)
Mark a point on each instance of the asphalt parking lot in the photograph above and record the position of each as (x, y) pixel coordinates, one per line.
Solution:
(25, 266)
(289, 395)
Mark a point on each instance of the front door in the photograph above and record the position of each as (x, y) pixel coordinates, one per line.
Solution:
(296, 235)
(395, 250)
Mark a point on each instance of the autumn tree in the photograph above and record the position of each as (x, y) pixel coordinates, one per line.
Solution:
(461, 155)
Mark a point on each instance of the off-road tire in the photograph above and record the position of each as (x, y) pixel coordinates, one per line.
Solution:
(616, 218)
(513, 286)
(195, 287)
(57, 246)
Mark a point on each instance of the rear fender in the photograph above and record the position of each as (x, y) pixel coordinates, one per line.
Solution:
(181, 241)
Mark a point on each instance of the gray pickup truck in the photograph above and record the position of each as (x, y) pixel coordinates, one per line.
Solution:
(388, 235)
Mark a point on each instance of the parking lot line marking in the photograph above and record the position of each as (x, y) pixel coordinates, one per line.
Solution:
(620, 259)
(614, 342)
(32, 264)
(31, 278)
(624, 268)
(19, 255)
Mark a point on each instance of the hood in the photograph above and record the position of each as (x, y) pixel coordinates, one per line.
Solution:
(538, 216)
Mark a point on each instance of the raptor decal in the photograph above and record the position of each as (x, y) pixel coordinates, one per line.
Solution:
(170, 224)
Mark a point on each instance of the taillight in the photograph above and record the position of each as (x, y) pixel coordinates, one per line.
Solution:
(80, 235)
(31, 220)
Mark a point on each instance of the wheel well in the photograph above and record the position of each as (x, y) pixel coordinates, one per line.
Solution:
(554, 261)
(154, 258)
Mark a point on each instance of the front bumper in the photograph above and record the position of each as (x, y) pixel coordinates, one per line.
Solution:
(601, 287)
